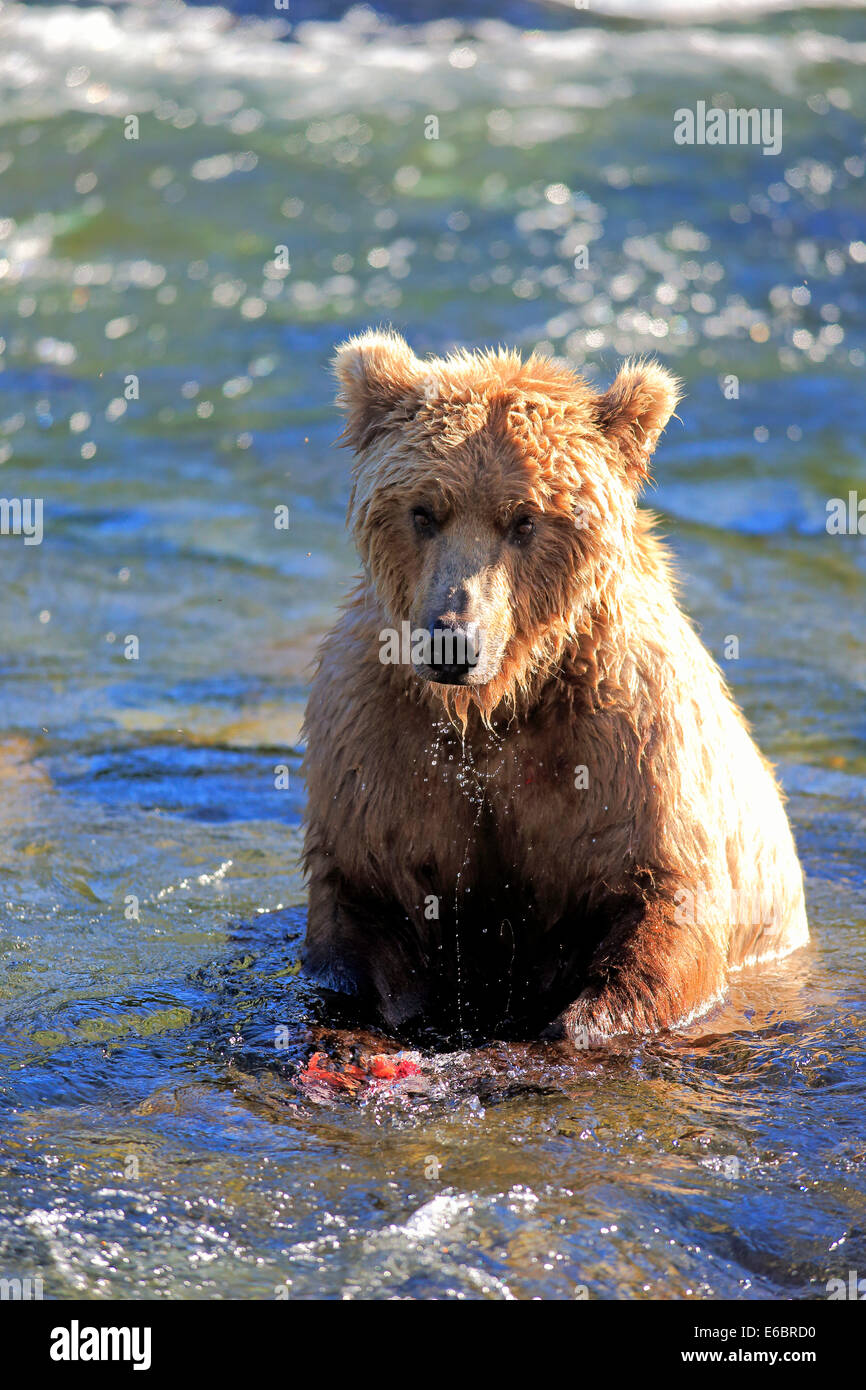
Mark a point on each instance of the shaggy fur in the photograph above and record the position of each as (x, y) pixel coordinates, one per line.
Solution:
(582, 832)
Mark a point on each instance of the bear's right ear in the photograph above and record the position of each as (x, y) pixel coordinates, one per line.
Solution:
(635, 409)
(381, 384)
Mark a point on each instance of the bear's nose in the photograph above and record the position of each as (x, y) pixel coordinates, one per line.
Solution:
(454, 650)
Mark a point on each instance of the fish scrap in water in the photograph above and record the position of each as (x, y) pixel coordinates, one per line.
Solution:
(321, 1078)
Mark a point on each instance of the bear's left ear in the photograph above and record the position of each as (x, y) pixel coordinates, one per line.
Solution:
(635, 409)
(381, 384)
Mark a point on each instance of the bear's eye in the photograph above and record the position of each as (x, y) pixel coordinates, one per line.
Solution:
(523, 528)
(423, 521)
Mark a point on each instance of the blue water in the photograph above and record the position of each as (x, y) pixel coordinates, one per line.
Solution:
(154, 1139)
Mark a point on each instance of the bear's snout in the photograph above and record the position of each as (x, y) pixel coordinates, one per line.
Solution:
(455, 651)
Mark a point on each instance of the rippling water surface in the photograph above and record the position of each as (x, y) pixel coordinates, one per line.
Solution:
(154, 1139)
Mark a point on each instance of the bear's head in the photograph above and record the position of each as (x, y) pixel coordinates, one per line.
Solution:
(493, 503)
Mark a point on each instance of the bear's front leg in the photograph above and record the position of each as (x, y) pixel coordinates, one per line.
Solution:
(364, 949)
(649, 973)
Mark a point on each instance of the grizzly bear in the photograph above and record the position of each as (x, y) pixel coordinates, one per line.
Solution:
(533, 806)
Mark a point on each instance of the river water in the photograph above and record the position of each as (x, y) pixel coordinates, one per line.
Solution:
(164, 389)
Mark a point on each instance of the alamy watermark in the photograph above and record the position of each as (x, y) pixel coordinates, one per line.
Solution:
(738, 126)
(21, 1290)
(22, 516)
(854, 1288)
(77, 1343)
(698, 905)
(846, 518)
(420, 647)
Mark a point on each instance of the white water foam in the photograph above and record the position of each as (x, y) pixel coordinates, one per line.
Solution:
(121, 61)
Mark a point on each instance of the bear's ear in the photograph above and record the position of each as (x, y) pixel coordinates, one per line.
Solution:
(381, 383)
(635, 409)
